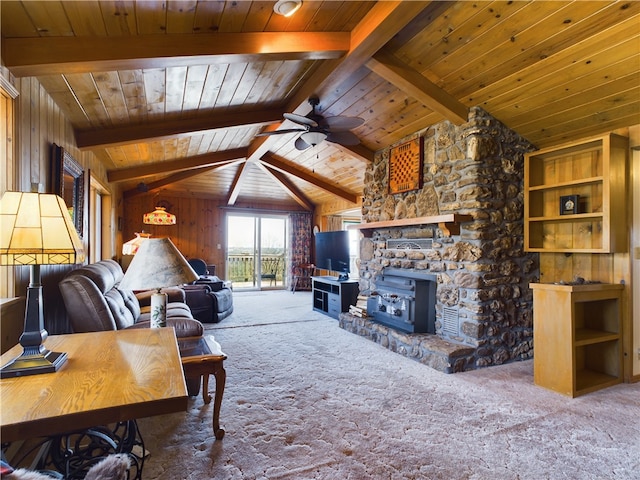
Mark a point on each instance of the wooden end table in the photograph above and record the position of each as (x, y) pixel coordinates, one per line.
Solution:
(202, 356)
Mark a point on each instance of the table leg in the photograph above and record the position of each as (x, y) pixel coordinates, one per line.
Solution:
(221, 377)
(205, 389)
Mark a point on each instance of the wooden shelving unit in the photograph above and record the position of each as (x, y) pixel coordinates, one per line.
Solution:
(577, 337)
(594, 170)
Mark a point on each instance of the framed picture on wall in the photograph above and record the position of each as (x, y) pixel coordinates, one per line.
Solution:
(68, 183)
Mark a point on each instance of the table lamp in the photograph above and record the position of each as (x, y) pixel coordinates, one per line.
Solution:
(157, 264)
(36, 229)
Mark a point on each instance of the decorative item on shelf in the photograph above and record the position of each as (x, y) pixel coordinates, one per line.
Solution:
(286, 8)
(569, 204)
(157, 264)
(132, 246)
(36, 230)
(405, 166)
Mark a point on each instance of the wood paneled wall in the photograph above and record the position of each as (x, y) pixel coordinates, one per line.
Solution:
(200, 224)
(38, 124)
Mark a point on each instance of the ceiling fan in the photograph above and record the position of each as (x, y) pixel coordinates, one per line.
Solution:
(317, 128)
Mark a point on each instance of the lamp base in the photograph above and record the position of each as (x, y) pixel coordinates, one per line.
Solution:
(158, 310)
(30, 364)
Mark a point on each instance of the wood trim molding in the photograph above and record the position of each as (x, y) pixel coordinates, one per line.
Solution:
(448, 223)
(5, 83)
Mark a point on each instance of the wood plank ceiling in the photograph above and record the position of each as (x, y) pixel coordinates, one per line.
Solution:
(173, 93)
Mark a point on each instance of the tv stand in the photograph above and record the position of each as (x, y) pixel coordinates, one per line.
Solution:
(332, 296)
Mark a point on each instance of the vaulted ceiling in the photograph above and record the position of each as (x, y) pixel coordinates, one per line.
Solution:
(175, 93)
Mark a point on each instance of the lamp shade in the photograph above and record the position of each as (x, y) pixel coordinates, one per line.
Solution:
(131, 247)
(159, 216)
(157, 264)
(313, 138)
(36, 229)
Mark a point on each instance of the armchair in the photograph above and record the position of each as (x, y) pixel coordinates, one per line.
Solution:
(209, 298)
(208, 305)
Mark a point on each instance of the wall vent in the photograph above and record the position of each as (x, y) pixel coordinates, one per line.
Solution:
(403, 244)
(450, 321)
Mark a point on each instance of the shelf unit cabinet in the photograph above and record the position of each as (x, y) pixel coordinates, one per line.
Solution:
(577, 338)
(331, 296)
(592, 169)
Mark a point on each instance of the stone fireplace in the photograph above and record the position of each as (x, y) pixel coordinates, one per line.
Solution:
(483, 305)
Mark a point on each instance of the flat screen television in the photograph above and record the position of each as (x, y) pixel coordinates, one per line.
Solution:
(332, 252)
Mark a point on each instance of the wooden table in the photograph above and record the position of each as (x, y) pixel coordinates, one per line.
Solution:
(202, 356)
(109, 377)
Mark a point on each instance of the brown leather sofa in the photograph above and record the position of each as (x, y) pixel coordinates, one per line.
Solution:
(95, 303)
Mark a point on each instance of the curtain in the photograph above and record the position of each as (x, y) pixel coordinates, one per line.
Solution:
(300, 243)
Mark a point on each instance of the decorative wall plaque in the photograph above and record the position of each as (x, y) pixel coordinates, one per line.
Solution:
(405, 167)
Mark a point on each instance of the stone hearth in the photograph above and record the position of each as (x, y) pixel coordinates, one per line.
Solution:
(431, 350)
(483, 302)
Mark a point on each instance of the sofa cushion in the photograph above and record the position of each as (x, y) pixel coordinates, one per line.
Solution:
(86, 306)
(99, 275)
(130, 301)
(119, 309)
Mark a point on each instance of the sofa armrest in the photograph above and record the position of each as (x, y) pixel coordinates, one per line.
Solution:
(212, 281)
(183, 326)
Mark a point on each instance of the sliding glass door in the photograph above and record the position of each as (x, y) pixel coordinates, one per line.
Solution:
(257, 251)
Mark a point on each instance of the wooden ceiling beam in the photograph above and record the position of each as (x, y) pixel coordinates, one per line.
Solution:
(237, 184)
(382, 22)
(418, 86)
(371, 34)
(176, 177)
(287, 186)
(359, 152)
(216, 159)
(33, 56)
(275, 164)
(169, 129)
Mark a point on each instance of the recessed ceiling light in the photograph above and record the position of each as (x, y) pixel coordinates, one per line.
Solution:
(287, 7)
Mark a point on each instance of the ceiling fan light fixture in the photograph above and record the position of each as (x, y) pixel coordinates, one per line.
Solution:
(313, 138)
(287, 8)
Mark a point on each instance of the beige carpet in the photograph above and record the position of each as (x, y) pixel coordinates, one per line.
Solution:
(308, 400)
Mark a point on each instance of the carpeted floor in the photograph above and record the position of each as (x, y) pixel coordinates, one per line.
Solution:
(307, 400)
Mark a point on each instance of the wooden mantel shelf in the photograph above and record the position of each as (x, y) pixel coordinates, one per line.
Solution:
(449, 223)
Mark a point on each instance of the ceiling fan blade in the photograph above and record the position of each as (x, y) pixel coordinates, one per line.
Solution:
(339, 123)
(301, 144)
(280, 132)
(343, 138)
(300, 119)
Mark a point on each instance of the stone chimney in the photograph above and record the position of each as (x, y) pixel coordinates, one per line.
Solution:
(484, 305)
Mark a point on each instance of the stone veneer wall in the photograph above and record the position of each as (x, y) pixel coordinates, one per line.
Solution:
(483, 273)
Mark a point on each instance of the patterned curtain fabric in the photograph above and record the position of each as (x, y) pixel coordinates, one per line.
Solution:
(300, 242)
